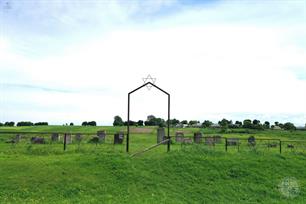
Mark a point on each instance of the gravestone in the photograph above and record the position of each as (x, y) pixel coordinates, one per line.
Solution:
(78, 137)
(210, 140)
(68, 138)
(118, 138)
(101, 135)
(232, 141)
(55, 137)
(271, 145)
(37, 140)
(179, 136)
(251, 141)
(197, 137)
(187, 141)
(218, 139)
(17, 138)
(160, 135)
(290, 146)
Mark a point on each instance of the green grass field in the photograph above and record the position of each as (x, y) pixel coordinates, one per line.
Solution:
(105, 173)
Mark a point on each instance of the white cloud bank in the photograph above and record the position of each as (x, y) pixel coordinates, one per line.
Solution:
(220, 68)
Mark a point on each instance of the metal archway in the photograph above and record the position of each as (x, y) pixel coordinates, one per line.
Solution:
(128, 122)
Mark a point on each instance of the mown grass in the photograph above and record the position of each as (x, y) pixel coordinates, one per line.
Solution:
(104, 173)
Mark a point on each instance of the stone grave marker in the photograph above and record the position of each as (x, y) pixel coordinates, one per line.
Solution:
(101, 135)
(251, 141)
(210, 141)
(37, 140)
(160, 135)
(232, 141)
(78, 137)
(55, 137)
(179, 136)
(187, 141)
(197, 137)
(17, 138)
(68, 138)
(218, 139)
(118, 138)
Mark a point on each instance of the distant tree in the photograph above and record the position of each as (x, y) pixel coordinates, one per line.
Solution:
(206, 124)
(153, 121)
(1, 124)
(150, 117)
(247, 123)
(132, 123)
(257, 125)
(174, 122)
(140, 123)
(224, 123)
(118, 121)
(289, 126)
(276, 123)
(10, 124)
(184, 122)
(24, 123)
(238, 123)
(84, 123)
(92, 123)
(71, 124)
(41, 123)
(193, 122)
(281, 125)
(266, 125)
(256, 122)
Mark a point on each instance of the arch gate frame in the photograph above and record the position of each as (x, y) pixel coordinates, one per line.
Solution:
(128, 116)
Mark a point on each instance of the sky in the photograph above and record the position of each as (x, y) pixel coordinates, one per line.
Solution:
(65, 61)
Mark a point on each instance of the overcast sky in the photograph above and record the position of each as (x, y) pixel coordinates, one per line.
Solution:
(73, 60)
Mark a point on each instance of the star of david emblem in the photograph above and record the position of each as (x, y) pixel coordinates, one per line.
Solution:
(149, 79)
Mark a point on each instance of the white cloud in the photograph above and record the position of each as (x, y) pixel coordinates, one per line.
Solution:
(219, 69)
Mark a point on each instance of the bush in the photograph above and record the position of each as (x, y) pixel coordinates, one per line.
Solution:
(41, 123)
(10, 124)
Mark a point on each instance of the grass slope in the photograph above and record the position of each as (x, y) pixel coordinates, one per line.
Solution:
(106, 174)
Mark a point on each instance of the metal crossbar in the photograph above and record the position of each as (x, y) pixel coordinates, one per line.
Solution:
(149, 148)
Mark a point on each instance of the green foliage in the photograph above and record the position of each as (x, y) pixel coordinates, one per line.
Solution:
(247, 123)
(25, 123)
(140, 123)
(289, 126)
(9, 124)
(206, 124)
(91, 123)
(153, 121)
(184, 122)
(118, 121)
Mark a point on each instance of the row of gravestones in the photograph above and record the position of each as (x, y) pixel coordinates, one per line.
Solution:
(198, 137)
(180, 138)
(55, 137)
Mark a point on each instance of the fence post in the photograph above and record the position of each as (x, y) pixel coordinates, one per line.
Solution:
(226, 144)
(238, 145)
(65, 137)
(280, 146)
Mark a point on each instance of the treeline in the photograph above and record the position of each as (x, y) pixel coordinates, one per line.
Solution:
(91, 123)
(22, 123)
(29, 123)
(223, 124)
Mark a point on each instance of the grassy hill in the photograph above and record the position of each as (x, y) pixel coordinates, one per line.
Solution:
(104, 173)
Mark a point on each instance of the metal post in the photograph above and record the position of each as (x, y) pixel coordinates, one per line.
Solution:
(128, 126)
(65, 137)
(168, 148)
(226, 144)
